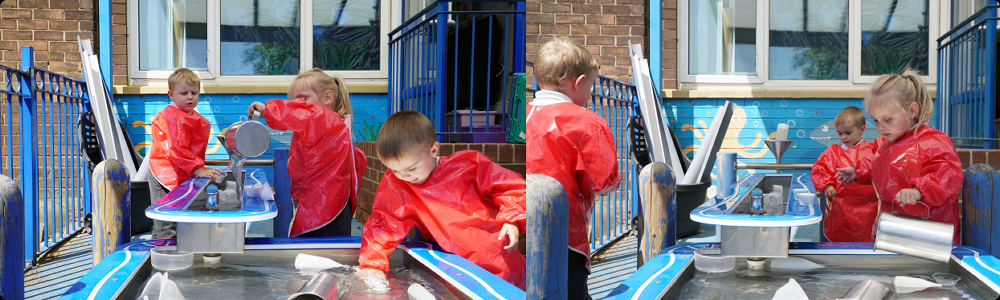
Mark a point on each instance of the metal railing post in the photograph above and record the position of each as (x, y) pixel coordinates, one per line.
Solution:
(29, 155)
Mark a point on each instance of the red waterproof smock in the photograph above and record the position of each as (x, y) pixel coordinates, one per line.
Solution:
(462, 205)
(180, 140)
(323, 165)
(574, 146)
(923, 158)
(849, 215)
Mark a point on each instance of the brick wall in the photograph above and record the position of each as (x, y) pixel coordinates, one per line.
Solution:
(510, 156)
(604, 27)
(51, 28)
(970, 157)
(119, 36)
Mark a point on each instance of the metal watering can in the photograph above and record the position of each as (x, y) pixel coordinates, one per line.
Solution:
(917, 237)
(243, 140)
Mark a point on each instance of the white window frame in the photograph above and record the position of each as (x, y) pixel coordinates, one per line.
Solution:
(213, 77)
(761, 79)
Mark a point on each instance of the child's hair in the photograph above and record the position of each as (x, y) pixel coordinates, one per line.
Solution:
(184, 75)
(898, 91)
(319, 82)
(562, 58)
(403, 134)
(850, 117)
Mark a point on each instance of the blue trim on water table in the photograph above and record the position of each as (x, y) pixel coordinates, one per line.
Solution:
(717, 211)
(652, 279)
(120, 266)
(170, 208)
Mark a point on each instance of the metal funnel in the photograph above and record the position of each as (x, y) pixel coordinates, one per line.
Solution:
(777, 148)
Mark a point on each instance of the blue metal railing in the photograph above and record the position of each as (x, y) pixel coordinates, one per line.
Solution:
(445, 63)
(967, 80)
(45, 157)
(612, 216)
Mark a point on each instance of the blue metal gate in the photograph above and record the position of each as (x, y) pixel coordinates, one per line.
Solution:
(967, 80)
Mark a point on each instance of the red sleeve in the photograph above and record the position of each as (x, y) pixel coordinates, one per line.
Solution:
(598, 168)
(506, 188)
(941, 170)
(389, 223)
(825, 168)
(310, 122)
(863, 167)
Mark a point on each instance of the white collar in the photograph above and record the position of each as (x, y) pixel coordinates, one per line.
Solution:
(545, 97)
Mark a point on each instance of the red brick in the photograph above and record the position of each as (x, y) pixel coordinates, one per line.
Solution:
(72, 35)
(86, 25)
(519, 153)
(65, 4)
(64, 46)
(616, 10)
(13, 13)
(670, 15)
(460, 147)
(629, 20)
(117, 49)
(585, 29)
(579, 39)
(601, 19)
(12, 46)
(965, 157)
(445, 149)
(119, 59)
(8, 24)
(540, 19)
(669, 24)
(476, 147)
(63, 67)
(978, 157)
(14, 35)
(533, 7)
(119, 69)
(638, 30)
(619, 51)
(86, 4)
(118, 40)
(555, 29)
(670, 4)
(65, 25)
(620, 2)
(73, 56)
(670, 64)
(572, 1)
(79, 15)
(669, 74)
(32, 24)
(614, 30)
(531, 29)
(37, 45)
(994, 159)
(49, 35)
(120, 80)
(587, 9)
(604, 60)
(570, 19)
(119, 29)
(119, 1)
(492, 151)
(593, 50)
(119, 19)
(119, 9)
(670, 35)
(49, 56)
(555, 8)
(33, 3)
(49, 14)
(600, 40)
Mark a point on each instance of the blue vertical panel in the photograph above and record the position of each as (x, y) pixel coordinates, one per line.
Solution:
(981, 191)
(519, 37)
(29, 161)
(655, 44)
(547, 237)
(104, 37)
(990, 78)
(441, 54)
(11, 240)
(44, 204)
(282, 193)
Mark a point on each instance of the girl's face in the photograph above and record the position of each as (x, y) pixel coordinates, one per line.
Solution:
(304, 92)
(893, 123)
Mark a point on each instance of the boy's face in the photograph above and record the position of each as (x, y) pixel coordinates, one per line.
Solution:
(850, 135)
(414, 168)
(311, 97)
(184, 95)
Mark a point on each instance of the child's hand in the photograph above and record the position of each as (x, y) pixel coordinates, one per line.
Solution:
(256, 106)
(908, 196)
(373, 278)
(830, 192)
(509, 230)
(206, 172)
(846, 175)
(369, 273)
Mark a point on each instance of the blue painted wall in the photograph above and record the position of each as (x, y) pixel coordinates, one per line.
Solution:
(137, 112)
(810, 124)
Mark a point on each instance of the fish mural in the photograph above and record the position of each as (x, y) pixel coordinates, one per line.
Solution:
(826, 133)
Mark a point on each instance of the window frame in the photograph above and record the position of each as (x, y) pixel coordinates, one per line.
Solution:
(762, 79)
(213, 77)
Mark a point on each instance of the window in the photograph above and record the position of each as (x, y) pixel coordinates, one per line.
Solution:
(268, 40)
(797, 43)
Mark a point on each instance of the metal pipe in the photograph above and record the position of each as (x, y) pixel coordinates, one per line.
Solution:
(740, 165)
(248, 162)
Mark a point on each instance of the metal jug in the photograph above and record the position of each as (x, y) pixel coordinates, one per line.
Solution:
(243, 140)
(917, 237)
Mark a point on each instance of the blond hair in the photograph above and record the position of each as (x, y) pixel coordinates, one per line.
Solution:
(184, 75)
(403, 134)
(898, 91)
(317, 81)
(850, 116)
(561, 58)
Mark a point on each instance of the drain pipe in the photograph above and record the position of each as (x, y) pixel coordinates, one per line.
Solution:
(11, 240)
(548, 238)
